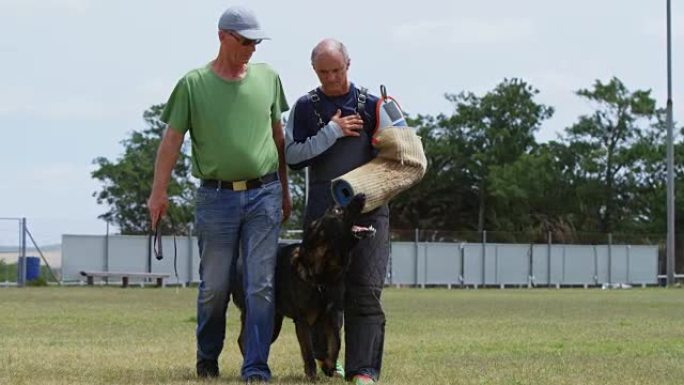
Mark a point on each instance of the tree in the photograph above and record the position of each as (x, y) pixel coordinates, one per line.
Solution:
(444, 198)
(498, 128)
(528, 192)
(482, 133)
(610, 146)
(297, 192)
(127, 182)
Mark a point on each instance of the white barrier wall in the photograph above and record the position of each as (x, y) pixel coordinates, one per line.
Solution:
(521, 264)
(411, 263)
(129, 253)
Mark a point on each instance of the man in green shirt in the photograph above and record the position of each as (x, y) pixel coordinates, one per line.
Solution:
(232, 109)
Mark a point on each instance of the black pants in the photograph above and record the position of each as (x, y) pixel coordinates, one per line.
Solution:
(358, 301)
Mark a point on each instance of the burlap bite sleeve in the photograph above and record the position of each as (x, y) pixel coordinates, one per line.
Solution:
(400, 164)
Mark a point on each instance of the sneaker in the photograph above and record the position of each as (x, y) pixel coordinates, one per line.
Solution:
(207, 368)
(362, 379)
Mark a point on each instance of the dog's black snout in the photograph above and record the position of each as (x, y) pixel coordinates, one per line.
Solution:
(360, 199)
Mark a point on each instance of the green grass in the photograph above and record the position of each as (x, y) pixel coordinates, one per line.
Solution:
(9, 272)
(436, 336)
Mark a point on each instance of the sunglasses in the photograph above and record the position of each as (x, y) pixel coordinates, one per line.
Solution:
(244, 41)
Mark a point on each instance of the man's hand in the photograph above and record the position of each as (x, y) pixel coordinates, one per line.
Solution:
(287, 206)
(350, 125)
(167, 155)
(157, 205)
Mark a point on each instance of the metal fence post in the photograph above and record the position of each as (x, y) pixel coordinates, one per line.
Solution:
(389, 274)
(425, 264)
(415, 255)
(106, 254)
(190, 250)
(670, 153)
(610, 258)
(462, 263)
(496, 266)
(562, 281)
(530, 266)
(21, 280)
(629, 281)
(548, 260)
(484, 255)
(596, 273)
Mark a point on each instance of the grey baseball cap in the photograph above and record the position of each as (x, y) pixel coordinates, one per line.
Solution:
(242, 21)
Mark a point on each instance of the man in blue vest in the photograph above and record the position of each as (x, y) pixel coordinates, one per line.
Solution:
(329, 131)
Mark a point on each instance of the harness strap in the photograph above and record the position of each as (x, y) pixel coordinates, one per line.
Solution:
(361, 101)
(316, 101)
(360, 105)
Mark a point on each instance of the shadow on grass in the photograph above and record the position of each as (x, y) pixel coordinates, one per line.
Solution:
(187, 375)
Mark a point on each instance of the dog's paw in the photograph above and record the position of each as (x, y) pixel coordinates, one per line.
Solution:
(331, 370)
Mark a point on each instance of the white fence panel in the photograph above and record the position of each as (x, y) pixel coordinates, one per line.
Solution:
(411, 263)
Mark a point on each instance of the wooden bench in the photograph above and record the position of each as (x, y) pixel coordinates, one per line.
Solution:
(90, 275)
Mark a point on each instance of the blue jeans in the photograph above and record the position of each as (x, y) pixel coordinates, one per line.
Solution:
(231, 223)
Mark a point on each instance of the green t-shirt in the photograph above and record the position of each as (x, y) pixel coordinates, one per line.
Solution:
(230, 122)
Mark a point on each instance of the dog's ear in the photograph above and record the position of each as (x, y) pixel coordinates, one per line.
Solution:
(295, 255)
(300, 264)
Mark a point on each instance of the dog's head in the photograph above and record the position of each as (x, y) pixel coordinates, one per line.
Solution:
(327, 241)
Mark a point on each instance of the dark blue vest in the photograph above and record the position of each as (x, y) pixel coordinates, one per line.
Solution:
(345, 155)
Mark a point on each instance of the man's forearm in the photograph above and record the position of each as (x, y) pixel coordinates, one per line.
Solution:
(167, 156)
(279, 140)
(299, 152)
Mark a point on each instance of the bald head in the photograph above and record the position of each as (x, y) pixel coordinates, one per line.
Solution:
(330, 61)
(329, 46)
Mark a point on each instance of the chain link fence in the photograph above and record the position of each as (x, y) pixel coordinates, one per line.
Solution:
(22, 261)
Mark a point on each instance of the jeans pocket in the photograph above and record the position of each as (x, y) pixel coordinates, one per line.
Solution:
(205, 196)
(271, 196)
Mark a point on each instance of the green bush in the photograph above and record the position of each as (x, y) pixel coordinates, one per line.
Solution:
(9, 272)
(40, 281)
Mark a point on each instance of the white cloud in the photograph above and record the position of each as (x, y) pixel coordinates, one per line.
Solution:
(80, 6)
(57, 177)
(55, 197)
(658, 28)
(27, 100)
(69, 109)
(74, 6)
(155, 90)
(74, 108)
(15, 100)
(465, 31)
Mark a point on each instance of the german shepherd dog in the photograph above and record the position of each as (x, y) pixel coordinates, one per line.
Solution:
(303, 272)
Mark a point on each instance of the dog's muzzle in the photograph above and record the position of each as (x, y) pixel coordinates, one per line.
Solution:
(362, 232)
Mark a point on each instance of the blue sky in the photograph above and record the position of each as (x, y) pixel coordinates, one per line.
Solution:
(77, 74)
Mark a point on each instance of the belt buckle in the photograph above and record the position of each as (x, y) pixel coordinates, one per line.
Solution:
(240, 185)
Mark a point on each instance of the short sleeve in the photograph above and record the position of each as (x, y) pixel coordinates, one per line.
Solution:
(279, 101)
(177, 111)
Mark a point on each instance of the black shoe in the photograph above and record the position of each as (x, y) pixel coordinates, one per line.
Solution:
(207, 368)
(255, 380)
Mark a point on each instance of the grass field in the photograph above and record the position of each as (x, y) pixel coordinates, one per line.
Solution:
(107, 335)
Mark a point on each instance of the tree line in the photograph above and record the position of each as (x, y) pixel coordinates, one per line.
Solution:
(605, 173)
